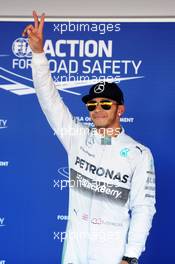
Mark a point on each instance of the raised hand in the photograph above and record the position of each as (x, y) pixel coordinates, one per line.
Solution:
(35, 33)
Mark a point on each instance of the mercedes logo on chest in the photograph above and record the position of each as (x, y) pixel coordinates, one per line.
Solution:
(99, 88)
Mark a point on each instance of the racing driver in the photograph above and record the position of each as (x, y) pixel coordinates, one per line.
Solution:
(112, 191)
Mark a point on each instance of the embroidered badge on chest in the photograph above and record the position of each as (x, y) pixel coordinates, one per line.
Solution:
(106, 141)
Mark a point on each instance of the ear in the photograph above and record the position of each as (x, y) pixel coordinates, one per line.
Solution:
(120, 110)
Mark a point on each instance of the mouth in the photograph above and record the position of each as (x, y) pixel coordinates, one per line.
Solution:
(99, 117)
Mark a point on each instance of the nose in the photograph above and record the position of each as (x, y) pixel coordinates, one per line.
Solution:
(98, 108)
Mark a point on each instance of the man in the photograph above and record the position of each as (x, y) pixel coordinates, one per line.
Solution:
(112, 190)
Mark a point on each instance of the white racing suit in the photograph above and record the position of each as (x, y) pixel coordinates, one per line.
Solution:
(107, 182)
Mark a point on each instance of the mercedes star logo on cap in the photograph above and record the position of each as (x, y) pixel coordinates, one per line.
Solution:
(99, 88)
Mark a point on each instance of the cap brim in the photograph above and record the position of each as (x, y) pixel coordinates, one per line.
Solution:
(88, 97)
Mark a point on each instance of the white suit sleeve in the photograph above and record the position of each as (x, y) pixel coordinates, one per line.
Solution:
(56, 112)
(142, 204)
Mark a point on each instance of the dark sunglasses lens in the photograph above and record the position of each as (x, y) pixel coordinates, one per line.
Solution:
(91, 107)
(106, 106)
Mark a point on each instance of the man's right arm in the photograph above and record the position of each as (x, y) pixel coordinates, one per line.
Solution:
(57, 114)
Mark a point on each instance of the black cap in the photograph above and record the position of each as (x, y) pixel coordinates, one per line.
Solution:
(105, 90)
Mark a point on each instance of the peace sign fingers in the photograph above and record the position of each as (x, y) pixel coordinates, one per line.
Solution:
(41, 24)
(36, 21)
(35, 33)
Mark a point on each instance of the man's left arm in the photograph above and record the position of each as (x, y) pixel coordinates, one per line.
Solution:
(142, 204)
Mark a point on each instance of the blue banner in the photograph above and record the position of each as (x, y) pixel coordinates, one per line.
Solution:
(33, 163)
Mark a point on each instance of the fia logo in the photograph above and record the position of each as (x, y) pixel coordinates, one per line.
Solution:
(21, 48)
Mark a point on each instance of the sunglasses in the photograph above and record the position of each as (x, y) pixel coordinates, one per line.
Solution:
(105, 104)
